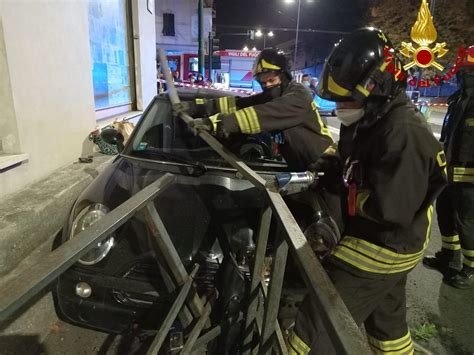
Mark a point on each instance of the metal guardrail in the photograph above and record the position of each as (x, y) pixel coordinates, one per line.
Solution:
(259, 321)
(32, 280)
(343, 331)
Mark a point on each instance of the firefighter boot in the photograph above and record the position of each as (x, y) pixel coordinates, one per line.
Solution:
(463, 279)
(447, 264)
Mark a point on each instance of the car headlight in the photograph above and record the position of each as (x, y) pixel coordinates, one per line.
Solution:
(86, 218)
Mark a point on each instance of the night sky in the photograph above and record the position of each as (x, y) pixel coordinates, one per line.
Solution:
(346, 16)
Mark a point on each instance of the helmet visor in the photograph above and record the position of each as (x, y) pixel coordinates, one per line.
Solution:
(346, 67)
(349, 66)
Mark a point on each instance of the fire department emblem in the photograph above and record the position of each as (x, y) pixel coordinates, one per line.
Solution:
(424, 34)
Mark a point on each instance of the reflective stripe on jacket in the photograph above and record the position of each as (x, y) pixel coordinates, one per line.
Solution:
(458, 137)
(373, 258)
(402, 171)
(296, 345)
(294, 113)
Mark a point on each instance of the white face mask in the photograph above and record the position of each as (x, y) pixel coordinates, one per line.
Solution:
(348, 116)
(306, 83)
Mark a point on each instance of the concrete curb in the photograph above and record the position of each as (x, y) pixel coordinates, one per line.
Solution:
(30, 217)
(26, 329)
(29, 222)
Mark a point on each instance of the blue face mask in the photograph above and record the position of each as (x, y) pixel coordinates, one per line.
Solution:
(306, 83)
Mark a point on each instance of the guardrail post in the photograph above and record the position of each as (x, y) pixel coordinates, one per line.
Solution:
(172, 314)
(272, 302)
(194, 334)
(264, 229)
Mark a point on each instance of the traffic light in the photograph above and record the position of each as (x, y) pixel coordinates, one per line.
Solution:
(213, 30)
(216, 62)
(213, 47)
(215, 44)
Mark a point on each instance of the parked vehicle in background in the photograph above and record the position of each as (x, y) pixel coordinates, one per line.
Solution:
(325, 107)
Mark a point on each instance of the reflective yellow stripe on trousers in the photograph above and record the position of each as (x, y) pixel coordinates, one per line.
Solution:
(461, 174)
(450, 242)
(468, 259)
(403, 345)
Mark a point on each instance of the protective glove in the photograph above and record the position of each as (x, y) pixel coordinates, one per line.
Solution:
(213, 125)
(201, 124)
(332, 168)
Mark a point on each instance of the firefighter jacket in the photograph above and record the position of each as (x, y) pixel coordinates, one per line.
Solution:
(294, 113)
(458, 137)
(394, 170)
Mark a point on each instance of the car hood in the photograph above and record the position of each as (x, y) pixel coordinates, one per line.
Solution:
(184, 206)
(125, 176)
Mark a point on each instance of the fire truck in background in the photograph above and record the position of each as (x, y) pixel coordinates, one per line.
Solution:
(236, 70)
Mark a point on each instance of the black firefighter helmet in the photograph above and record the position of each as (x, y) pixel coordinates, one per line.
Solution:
(269, 60)
(362, 58)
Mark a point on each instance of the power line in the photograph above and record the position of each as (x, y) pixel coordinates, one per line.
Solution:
(285, 29)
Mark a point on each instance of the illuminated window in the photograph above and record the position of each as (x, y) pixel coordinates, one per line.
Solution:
(109, 33)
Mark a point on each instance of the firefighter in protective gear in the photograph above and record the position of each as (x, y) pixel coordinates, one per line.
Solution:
(393, 169)
(285, 109)
(455, 205)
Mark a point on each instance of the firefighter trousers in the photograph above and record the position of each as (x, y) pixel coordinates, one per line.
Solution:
(379, 304)
(455, 210)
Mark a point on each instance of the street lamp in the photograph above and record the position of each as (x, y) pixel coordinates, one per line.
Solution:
(297, 22)
(259, 33)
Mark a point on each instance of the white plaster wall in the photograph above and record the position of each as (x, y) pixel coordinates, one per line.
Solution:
(185, 23)
(144, 35)
(47, 49)
(183, 11)
(9, 141)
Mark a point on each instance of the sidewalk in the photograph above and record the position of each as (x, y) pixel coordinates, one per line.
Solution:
(29, 221)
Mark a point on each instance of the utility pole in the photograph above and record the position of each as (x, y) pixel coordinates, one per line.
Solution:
(211, 45)
(201, 38)
(297, 29)
(432, 7)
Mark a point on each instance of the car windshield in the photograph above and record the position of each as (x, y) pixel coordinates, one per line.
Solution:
(162, 136)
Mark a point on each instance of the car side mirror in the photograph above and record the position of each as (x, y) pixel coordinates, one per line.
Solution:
(112, 136)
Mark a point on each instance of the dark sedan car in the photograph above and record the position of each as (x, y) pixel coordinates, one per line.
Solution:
(209, 212)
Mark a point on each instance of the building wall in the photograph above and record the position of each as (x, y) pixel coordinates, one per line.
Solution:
(48, 56)
(144, 35)
(47, 98)
(185, 20)
(9, 142)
